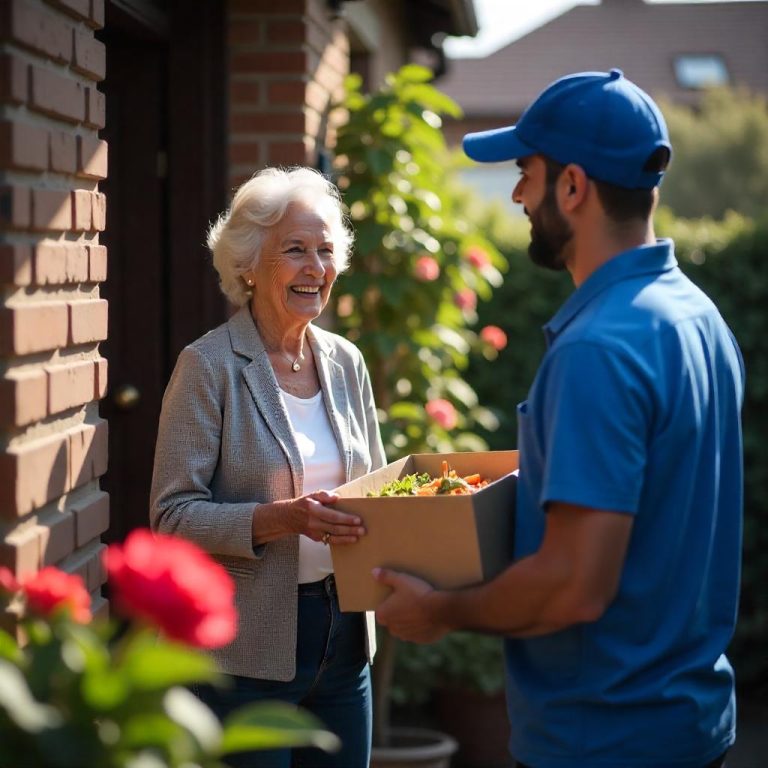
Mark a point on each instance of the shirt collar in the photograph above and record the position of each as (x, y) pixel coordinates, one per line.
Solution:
(643, 260)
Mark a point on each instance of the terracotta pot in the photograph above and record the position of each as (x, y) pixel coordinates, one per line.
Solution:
(479, 723)
(415, 748)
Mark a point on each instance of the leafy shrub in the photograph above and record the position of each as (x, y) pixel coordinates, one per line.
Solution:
(720, 156)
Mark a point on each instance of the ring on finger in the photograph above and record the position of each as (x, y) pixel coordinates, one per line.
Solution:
(325, 537)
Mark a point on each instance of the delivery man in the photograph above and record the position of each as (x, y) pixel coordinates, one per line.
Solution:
(623, 594)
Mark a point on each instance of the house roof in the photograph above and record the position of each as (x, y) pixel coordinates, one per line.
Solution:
(641, 39)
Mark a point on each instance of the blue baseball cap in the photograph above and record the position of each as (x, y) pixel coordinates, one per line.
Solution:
(598, 120)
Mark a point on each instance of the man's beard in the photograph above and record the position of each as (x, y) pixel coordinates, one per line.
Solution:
(550, 233)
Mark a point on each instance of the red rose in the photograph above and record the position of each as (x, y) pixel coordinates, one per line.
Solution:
(494, 336)
(443, 412)
(173, 584)
(426, 269)
(51, 589)
(465, 299)
(477, 257)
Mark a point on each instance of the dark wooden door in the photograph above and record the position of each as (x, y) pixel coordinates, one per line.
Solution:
(163, 186)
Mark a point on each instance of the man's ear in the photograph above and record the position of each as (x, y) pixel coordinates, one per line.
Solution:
(572, 187)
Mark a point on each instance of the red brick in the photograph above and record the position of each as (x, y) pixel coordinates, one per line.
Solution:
(287, 92)
(88, 449)
(14, 79)
(87, 321)
(78, 9)
(63, 151)
(97, 572)
(89, 55)
(32, 474)
(286, 153)
(15, 207)
(244, 152)
(245, 32)
(286, 31)
(57, 537)
(55, 95)
(100, 378)
(50, 263)
(91, 157)
(290, 62)
(98, 211)
(70, 385)
(260, 122)
(23, 146)
(33, 327)
(97, 263)
(317, 97)
(95, 108)
(15, 264)
(81, 210)
(23, 397)
(21, 552)
(91, 517)
(51, 209)
(242, 92)
(97, 14)
(40, 30)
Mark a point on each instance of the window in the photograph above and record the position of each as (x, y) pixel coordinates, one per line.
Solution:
(700, 70)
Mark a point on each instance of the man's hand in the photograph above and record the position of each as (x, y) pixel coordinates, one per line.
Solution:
(408, 613)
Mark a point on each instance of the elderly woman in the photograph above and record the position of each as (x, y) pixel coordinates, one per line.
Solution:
(261, 417)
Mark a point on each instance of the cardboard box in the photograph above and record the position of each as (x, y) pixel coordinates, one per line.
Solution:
(451, 541)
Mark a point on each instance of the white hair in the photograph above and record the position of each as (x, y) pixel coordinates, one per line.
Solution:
(235, 239)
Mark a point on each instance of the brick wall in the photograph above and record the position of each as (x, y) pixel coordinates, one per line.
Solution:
(53, 444)
(287, 61)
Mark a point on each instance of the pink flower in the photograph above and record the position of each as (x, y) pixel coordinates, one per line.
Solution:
(8, 581)
(477, 257)
(442, 412)
(426, 269)
(465, 299)
(51, 589)
(175, 585)
(494, 336)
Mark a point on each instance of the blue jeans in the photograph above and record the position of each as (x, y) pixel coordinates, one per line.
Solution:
(332, 681)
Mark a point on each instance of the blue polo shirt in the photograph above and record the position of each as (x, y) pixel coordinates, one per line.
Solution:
(636, 409)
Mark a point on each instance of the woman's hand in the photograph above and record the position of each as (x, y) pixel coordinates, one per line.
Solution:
(308, 515)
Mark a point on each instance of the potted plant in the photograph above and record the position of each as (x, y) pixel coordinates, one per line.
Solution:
(461, 678)
(409, 298)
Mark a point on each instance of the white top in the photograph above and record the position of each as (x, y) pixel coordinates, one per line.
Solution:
(323, 470)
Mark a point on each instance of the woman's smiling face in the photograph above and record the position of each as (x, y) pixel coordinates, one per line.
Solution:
(296, 269)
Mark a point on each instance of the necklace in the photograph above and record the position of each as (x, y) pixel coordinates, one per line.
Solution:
(295, 366)
(294, 361)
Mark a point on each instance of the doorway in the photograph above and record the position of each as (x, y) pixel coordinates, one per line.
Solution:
(165, 128)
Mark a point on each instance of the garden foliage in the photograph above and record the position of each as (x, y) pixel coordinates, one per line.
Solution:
(418, 269)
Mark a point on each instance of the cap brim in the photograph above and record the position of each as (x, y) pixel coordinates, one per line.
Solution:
(495, 146)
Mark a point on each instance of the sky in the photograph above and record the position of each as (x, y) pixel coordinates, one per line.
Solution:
(502, 21)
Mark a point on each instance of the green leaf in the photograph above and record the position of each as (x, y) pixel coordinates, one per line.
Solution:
(161, 665)
(268, 725)
(104, 689)
(9, 649)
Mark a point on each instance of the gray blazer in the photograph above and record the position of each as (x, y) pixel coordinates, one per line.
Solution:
(224, 445)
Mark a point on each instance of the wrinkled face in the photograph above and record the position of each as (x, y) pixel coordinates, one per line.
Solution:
(550, 232)
(295, 272)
